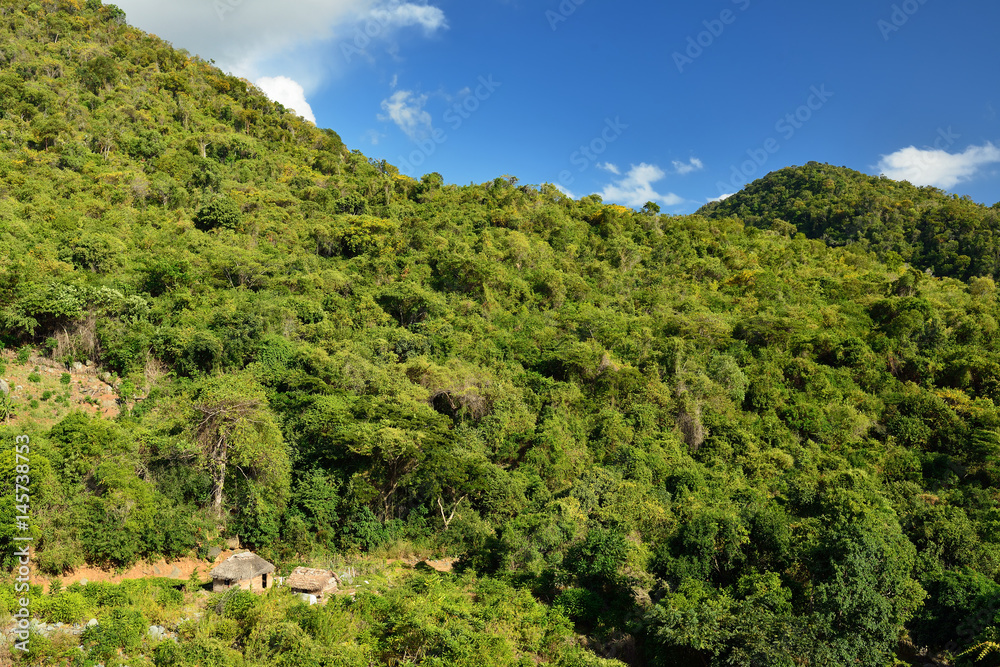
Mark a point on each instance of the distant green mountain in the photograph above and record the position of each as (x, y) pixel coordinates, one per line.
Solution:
(930, 229)
(665, 440)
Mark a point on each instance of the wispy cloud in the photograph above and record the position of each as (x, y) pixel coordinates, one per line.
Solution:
(405, 14)
(406, 110)
(287, 92)
(607, 166)
(721, 197)
(636, 188)
(926, 166)
(682, 168)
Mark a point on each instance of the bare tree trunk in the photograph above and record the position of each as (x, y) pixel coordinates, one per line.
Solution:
(454, 508)
(218, 458)
(218, 481)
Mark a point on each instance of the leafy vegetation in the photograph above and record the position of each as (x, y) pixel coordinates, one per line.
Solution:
(696, 439)
(924, 226)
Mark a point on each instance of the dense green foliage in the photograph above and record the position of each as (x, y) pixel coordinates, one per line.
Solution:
(699, 440)
(426, 618)
(947, 234)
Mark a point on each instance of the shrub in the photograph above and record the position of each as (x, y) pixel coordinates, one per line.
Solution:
(199, 651)
(66, 607)
(579, 657)
(170, 597)
(74, 156)
(98, 252)
(65, 378)
(580, 605)
(8, 408)
(121, 629)
(23, 355)
(168, 654)
(104, 594)
(238, 604)
(219, 212)
(99, 72)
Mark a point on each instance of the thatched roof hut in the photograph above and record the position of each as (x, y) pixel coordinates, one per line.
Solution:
(312, 581)
(246, 570)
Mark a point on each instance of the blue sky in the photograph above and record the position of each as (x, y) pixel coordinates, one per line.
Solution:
(673, 102)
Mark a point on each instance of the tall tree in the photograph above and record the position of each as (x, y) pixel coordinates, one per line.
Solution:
(236, 428)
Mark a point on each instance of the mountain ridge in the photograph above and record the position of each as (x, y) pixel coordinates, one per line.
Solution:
(948, 234)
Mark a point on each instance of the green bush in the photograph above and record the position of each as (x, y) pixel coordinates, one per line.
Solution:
(66, 607)
(219, 212)
(121, 629)
(23, 355)
(74, 156)
(200, 651)
(579, 604)
(98, 252)
(65, 378)
(237, 603)
(170, 597)
(578, 657)
(104, 594)
(168, 654)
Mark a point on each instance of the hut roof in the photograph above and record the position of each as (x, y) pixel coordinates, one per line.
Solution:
(311, 579)
(240, 567)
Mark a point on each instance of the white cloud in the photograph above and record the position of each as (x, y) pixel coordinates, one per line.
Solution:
(607, 166)
(287, 92)
(240, 34)
(405, 14)
(406, 110)
(565, 191)
(937, 167)
(636, 188)
(246, 37)
(721, 197)
(374, 136)
(682, 168)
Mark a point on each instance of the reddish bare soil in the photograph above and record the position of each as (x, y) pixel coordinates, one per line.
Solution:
(441, 565)
(178, 569)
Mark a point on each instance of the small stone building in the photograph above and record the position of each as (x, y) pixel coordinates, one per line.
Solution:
(244, 570)
(311, 581)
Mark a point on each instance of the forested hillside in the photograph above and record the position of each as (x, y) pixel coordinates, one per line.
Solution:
(673, 440)
(931, 229)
